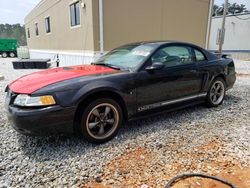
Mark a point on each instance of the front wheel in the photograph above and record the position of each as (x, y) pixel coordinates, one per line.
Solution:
(101, 121)
(216, 93)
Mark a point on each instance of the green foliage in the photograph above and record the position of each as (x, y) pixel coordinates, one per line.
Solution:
(233, 8)
(13, 31)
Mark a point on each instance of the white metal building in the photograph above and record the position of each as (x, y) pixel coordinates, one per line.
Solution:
(237, 36)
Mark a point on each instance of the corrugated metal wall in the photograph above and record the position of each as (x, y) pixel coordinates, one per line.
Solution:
(237, 37)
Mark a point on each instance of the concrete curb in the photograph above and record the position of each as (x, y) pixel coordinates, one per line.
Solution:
(1, 77)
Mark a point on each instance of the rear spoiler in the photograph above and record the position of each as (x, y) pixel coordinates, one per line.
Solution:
(220, 55)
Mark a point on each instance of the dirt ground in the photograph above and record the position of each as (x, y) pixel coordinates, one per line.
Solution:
(140, 158)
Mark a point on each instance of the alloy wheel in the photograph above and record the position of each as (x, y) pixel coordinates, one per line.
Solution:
(217, 92)
(102, 121)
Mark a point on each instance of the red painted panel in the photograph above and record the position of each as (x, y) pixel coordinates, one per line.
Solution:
(35, 81)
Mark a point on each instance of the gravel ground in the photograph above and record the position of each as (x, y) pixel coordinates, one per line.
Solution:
(148, 151)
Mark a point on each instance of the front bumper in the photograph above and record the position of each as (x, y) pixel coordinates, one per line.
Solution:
(42, 121)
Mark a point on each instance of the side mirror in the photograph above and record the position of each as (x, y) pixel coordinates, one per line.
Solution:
(155, 66)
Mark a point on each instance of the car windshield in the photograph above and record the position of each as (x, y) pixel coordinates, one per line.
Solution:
(126, 57)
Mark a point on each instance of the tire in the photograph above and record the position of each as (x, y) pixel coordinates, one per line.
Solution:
(216, 93)
(100, 121)
(12, 54)
(4, 55)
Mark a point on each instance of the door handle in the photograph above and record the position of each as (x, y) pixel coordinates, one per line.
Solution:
(193, 71)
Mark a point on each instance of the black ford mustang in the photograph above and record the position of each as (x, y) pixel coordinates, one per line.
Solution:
(129, 82)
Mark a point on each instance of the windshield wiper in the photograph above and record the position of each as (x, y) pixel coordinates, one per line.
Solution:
(107, 65)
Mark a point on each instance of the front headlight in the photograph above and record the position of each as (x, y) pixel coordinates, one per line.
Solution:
(28, 101)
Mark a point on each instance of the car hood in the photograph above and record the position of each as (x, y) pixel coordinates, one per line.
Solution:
(35, 81)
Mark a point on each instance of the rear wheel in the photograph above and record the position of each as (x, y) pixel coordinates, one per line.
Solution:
(4, 55)
(101, 121)
(12, 54)
(216, 93)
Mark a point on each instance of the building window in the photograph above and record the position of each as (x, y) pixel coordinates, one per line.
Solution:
(28, 32)
(47, 25)
(75, 14)
(37, 30)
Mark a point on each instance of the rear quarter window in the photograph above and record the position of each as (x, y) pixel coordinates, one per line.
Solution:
(199, 55)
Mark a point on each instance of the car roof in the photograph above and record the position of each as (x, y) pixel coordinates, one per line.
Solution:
(162, 42)
(158, 44)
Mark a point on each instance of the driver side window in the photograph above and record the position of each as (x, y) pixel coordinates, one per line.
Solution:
(173, 56)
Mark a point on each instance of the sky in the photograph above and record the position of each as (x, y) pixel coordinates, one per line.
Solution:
(14, 11)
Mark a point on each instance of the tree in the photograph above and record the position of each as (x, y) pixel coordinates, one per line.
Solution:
(13, 31)
(234, 8)
(215, 10)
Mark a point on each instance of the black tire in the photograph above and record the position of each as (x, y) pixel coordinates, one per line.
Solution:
(213, 94)
(93, 135)
(12, 54)
(4, 55)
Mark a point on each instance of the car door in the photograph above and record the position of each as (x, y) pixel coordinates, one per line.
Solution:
(177, 79)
